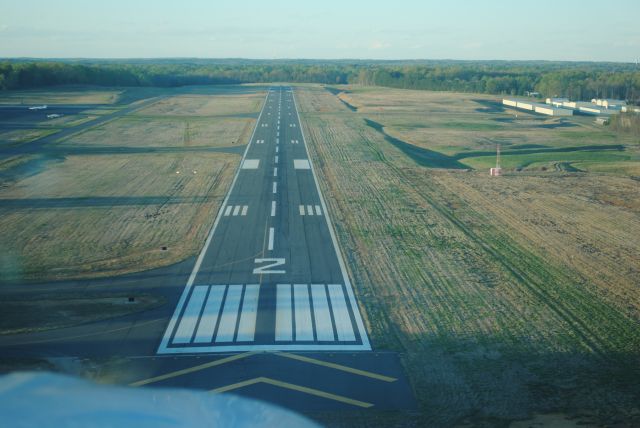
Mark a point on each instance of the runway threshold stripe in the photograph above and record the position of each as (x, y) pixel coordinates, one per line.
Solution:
(318, 210)
(227, 210)
(324, 327)
(301, 209)
(284, 325)
(309, 210)
(244, 210)
(236, 210)
(227, 327)
(341, 316)
(302, 311)
(209, 318)
(248, 314)
(191, 315)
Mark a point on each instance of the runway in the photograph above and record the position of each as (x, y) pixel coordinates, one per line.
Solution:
(270, 276)
(265, 311)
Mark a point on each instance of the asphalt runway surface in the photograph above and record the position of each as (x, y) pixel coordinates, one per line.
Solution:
(266, 310)
(270, 276)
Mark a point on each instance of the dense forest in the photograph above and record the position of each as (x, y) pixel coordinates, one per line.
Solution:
(578, 81)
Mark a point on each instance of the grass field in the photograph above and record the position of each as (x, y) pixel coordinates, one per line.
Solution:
(106, 200)
(65, 95)
(134, 131)
(507, 298)
(203, 105)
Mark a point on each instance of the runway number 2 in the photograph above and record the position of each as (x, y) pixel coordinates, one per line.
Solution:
(267, 268)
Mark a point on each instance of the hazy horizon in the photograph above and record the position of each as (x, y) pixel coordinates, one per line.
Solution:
(494, 30)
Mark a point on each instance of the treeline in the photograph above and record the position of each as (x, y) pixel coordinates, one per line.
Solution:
(578, 81)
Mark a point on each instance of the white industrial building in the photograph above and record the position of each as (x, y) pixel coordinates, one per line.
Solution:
(557, 102)
(630, 109)
(590, 108)
(566, 107)
(609, 103)
(537, 107)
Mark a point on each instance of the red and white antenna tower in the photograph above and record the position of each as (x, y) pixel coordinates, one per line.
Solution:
(497, 170)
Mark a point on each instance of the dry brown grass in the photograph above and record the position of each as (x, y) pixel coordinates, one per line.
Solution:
(498, 293)
(132, 131)
(204, 105)
(97, 215)
(17, 136)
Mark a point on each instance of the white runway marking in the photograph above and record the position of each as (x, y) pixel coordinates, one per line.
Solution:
(190, 316)
(301, 209)
(318, 210)
(304, 328)
(276, 159)
(309, 210)
(273, 208)
(284, 326)
(227, 327)
(340, 313)
(210, 313)
(270, 247)
(250, 163)
(267, 268)
(275, 187)
(301, 164)
(248, 314)
(237, 210)
(275, 171)
(324, 328)
(277, 149)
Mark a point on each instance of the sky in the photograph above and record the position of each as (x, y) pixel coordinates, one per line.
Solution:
(571, 30)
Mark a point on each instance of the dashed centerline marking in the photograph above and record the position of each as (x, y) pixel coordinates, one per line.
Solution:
(275, 171)
(273, 208)
(271, 232)
(275, 187)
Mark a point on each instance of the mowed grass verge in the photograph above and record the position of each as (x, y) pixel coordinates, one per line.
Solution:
(504, 297)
